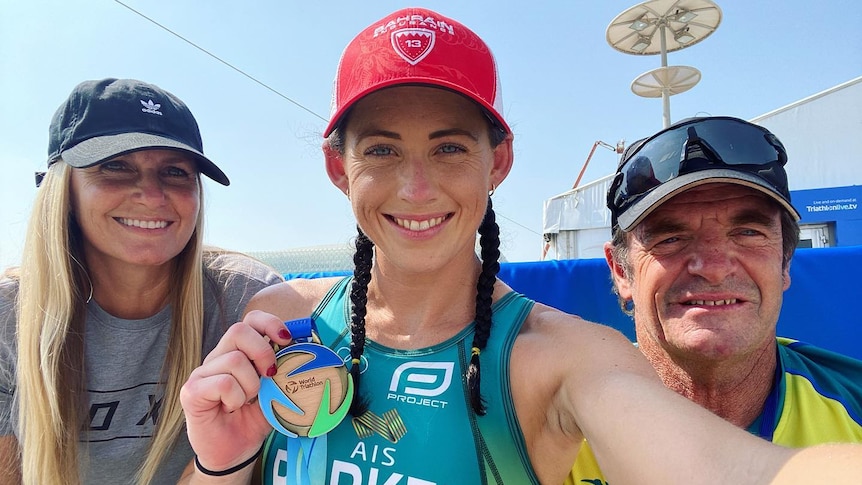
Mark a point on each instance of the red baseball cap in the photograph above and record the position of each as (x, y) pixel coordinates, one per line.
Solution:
(417, 46)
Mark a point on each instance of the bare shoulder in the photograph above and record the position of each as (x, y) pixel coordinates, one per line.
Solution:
(549, 326)
(295, 298)
(562, 347)
(579, 351)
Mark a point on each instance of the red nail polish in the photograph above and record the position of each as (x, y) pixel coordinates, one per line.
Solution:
(284, 334)
(271, 371)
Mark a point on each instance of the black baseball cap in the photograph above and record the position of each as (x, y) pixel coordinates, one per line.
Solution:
(109, 117)
(693, 152)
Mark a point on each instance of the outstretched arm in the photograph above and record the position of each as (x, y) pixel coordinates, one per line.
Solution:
(831, 463)
(572, 379)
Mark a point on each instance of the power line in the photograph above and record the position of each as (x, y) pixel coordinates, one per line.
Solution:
(261, 83)
(516, 223)
(266, 86)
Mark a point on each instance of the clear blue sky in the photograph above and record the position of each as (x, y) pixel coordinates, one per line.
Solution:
(564, 87)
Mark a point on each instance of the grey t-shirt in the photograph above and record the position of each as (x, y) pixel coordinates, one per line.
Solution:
(124, 360)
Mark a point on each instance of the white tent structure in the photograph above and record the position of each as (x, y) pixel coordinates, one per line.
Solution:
(823, 137)
(576, 224)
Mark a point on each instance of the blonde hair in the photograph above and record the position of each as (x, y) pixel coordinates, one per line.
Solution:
(54, 290)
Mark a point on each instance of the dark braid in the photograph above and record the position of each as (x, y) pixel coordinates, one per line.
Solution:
(362, 261)
(489, 240)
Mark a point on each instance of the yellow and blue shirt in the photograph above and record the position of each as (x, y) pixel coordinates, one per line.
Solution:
(816, 398)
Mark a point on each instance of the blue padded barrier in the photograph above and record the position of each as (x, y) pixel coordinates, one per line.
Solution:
(818, 307)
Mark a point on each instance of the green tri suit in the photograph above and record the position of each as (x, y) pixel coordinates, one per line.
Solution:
(420, 428)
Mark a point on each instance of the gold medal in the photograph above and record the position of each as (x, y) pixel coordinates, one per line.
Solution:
(311, 391)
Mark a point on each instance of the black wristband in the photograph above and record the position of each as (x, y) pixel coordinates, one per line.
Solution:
(230, 470)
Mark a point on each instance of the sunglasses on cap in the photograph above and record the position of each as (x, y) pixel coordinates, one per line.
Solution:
(695, 145)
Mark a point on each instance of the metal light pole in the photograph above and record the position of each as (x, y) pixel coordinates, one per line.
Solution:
(679, 24)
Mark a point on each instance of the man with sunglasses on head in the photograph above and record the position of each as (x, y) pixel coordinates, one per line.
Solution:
(700, 256)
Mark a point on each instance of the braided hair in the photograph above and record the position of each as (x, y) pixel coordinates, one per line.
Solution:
(489, 241)
(362, 261)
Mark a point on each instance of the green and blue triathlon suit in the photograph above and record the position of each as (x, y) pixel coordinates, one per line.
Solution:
(816, 398)
(419, 428)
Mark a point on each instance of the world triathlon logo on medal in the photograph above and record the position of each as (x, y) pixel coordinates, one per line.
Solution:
(310, 393)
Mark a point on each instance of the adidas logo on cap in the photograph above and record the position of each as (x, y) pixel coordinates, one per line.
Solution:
(151, 107)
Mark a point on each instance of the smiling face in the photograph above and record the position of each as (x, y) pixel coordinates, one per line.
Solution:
(136, 209)
(418, 164)
(706, 274)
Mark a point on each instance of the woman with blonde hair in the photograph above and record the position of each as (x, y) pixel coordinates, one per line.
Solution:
(116, 299)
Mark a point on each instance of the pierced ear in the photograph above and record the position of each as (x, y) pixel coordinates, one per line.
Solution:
(618, 273)
(335, 168)
(503, 158)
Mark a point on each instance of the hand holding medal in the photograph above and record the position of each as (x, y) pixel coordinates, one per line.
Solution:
(311, 392)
